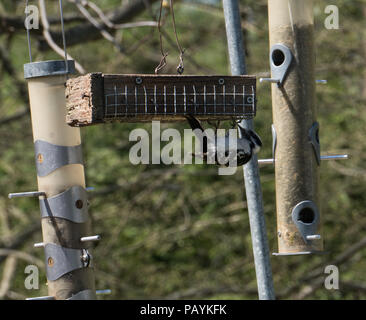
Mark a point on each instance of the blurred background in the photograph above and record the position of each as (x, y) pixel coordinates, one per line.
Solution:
(182, 232)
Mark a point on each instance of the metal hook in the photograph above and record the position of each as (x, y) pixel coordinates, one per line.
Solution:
(280, 60)
(180, 68)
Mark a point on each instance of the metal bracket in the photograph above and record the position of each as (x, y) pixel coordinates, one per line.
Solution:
(50, 157)
(61, 260)
(29, 194)
(328, 157)
(305, 216)
(299, 253)
(90, 238)
(48, 68)
(314, 139)
(281, 68)
(82, 239)
(70, 205)
(280, 59)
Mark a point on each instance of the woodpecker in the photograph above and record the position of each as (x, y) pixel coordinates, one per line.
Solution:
(218, 148)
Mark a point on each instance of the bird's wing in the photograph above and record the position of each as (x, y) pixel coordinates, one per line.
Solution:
(244, 151)
(243, 159)
(244, 145)
(195, 124)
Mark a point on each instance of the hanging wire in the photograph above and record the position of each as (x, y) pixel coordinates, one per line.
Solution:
(28, 32)
(63, 36)
(27, 26)
(162, 62)
(180, 68)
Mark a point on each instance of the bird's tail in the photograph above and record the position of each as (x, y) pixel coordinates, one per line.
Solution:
(193, 122)
(252, 137)
(255, 138)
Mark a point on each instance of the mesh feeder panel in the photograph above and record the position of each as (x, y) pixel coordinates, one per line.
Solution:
(99, 98)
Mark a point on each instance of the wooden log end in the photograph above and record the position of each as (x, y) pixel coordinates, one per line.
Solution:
(84, 102)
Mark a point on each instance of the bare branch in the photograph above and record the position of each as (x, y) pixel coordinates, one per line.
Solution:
(88, 32)
(16, 23)
(10, 70)
(309, 289)
(108, 22)
(341, 258)
(49, 39)
(106, 35)
(19, 239)
(353, 286)
(352, 172)
(15, 295)
(14, 117)
(23, 256)
(318, 283)
(200, 293)
(319, 271)
(8, 274)
(135, 24)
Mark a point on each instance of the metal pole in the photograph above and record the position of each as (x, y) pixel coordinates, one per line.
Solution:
(251, 172)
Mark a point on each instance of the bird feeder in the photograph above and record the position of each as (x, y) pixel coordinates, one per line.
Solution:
(99, 98)
(296, 147)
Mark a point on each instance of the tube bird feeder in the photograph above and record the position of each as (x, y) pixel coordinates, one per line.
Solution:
(61, 182)
(296, 149)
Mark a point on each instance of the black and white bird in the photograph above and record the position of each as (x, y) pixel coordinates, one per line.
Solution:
(218, 148)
